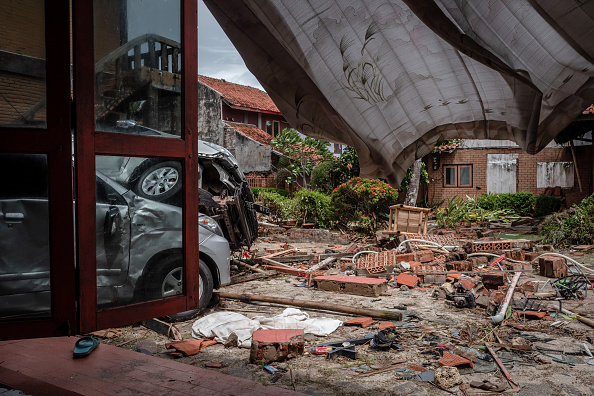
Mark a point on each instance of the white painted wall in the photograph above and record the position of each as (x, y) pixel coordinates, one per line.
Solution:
(553, 174)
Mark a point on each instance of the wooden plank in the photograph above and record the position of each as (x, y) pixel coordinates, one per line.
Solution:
(251, 277)
(308, 257)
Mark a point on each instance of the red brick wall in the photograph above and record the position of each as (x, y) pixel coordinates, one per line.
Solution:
(526, 171)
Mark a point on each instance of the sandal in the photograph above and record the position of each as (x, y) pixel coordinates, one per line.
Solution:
(84, 346)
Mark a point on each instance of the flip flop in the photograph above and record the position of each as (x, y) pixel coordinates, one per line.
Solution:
(488, 386)
(84, 346)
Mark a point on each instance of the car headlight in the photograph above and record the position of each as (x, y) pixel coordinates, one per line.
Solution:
(210, 224)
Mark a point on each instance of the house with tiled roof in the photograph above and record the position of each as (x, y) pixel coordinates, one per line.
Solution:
(244, 120)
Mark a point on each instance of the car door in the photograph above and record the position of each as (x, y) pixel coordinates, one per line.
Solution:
(24, 238)
(113, 236)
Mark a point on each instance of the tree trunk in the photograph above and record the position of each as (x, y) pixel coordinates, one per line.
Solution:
(413, 186)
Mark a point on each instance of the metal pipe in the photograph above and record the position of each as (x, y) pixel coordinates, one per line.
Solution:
(505, 303)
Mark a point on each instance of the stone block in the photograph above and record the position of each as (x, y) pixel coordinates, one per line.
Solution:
(447, 377)
(358, 285)
(276, 345)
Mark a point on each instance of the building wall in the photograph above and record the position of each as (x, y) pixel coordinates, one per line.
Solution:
(526, 171)
(251, 155)
(210, 124)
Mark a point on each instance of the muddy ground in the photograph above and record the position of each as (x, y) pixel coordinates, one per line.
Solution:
(566, 372)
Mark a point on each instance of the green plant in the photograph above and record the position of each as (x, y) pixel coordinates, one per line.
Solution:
(281, 208)
(522, 203)
(363, 197)
(257, 190)
(572, 227)
(544, 205)
(300, 154)
(313, 206)
(460, 211)
(424, 176)
(324, 175)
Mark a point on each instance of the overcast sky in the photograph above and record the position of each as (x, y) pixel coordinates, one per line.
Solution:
(217, 57)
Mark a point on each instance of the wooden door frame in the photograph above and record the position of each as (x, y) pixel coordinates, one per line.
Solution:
(89, 142)
(55, 142)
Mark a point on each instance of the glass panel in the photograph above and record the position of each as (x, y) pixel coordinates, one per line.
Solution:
(464, 175)
(276, 128)
(139, 229)
(24, 238)
(138, 67)
(450, 176)
(22, 64)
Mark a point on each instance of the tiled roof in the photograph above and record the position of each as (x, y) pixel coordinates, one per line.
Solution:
(589, 110)
(447, 147)
(241, 95)
(252, 132)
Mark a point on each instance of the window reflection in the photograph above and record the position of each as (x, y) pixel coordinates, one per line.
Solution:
(138, 65)
(22, 64)
(139, 234)
(24, 238)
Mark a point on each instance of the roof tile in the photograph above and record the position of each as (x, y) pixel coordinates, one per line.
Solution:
(251, 131)
(241, 95)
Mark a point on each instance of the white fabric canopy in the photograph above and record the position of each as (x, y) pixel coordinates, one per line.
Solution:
(392, 78)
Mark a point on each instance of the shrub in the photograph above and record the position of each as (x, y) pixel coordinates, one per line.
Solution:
(363, 197)
(324, 175)
(544, 205)
(257, 190)
(521, 203)
(313, 206)
(460, 211)
(281, 208)
(573, 227)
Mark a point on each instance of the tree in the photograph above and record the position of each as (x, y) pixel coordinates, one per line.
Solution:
(300, 154)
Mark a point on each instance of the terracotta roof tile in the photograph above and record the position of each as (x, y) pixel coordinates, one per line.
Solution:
(252, 132)
(241, 95)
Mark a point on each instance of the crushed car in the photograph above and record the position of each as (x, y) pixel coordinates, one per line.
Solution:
(139, 245)
(225, 194)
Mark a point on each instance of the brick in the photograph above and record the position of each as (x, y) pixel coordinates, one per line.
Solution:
(466, 282)
(459, 266)
(552, 267)
(418, 368)
(407, 280)
(578, 254)
(530, 286)
(386, 325)
(479, 261)
(530, 314)
(529, 256)
(493, 280)
(424, 256)
(276, 345)
(451, 360)
(358, 285)
(360, 321)
(497, 296)
(515, 254)
(214, 365)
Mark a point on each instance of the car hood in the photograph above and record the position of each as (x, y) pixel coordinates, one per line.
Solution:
(222, 156)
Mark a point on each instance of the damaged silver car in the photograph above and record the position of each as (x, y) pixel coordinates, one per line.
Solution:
(224, 192)
(139, 245)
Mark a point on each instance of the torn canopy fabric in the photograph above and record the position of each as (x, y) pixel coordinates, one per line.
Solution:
(393, 78)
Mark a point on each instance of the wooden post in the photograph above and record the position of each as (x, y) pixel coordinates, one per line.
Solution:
(575, 165)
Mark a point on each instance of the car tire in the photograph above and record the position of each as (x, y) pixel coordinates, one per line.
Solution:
(166, 282)
(159, 181)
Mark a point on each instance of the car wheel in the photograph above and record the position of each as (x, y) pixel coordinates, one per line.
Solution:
(159, 181)
(167, 282)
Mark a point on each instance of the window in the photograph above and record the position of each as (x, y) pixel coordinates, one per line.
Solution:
(457, 176)
(337, 148)
(273, 127)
